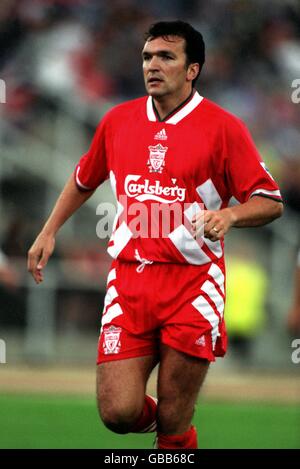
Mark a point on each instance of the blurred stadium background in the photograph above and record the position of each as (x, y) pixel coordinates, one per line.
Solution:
(65, 63)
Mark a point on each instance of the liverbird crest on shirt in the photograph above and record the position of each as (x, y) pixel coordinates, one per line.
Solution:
(156, 160)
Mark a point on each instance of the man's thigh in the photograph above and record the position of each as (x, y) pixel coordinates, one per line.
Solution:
(180, 377)
(123, 382)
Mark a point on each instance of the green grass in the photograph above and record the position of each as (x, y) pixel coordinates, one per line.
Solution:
(32, 421)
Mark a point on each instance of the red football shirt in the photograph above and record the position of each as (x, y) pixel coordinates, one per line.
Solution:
(200, 154)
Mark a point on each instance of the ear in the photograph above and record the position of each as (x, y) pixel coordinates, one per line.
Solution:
(192, 71)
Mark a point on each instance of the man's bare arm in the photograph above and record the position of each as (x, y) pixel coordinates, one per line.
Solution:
(255, 212)
(68, 202)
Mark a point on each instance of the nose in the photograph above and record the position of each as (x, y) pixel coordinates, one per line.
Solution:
(153, 63)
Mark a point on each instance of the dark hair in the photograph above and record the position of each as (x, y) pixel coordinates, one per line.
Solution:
(194, 44)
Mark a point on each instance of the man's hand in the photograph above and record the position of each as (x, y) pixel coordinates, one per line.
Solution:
(39, 254)
(216, 223)
(257, 211)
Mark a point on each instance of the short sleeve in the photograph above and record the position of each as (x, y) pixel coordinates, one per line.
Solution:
(92, 169)
(246, 173)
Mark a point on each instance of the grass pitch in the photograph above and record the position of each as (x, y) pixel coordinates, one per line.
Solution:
(33, 421)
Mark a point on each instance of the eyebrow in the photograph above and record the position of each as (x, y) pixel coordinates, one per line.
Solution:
(161, 52)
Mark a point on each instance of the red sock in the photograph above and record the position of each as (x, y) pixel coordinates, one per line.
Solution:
(185, 440)
(147, 421)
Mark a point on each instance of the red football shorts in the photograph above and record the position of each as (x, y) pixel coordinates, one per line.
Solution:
(178, 305)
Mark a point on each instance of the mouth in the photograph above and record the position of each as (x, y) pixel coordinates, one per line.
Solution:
(154, 81)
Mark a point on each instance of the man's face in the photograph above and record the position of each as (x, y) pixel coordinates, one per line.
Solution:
(164, 67)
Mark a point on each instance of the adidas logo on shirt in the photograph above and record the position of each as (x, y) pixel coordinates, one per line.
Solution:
(161, 135)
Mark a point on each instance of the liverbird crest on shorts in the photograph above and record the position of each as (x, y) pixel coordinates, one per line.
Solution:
(156, 160)
(111, 343)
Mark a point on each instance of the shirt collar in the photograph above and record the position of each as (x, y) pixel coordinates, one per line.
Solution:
(179, 113)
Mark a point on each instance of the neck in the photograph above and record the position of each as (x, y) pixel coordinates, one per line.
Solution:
(165, 105)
